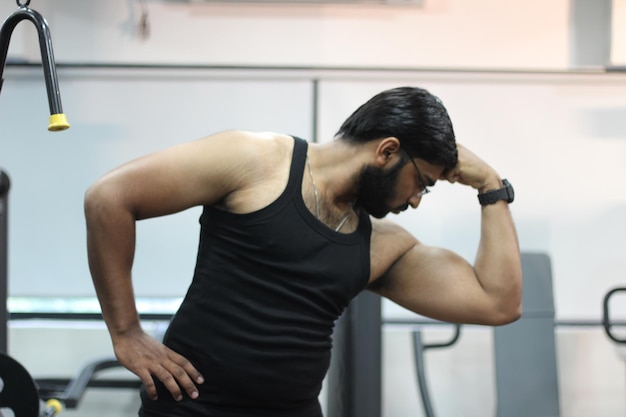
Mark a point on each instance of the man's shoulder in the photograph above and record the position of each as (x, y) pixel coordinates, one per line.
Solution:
(385, 228)
(246, 138)
(248, 149)
(255, 164)
(389, 241)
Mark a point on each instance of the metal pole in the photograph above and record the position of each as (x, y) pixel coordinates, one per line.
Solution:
(419, 347)
(5, 185)
(354, 377)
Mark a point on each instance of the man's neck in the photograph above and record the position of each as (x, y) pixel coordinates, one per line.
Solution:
(337, 166)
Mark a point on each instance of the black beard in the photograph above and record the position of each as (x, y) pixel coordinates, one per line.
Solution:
(376, 186)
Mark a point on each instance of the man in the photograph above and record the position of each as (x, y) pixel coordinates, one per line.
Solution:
(290, 233)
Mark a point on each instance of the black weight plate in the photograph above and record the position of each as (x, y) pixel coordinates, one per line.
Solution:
(18, 390)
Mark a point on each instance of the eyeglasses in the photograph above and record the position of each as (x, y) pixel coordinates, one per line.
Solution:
(422, 183)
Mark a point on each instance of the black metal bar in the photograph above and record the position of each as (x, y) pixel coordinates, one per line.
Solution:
(80, 316)
(5, 185)
(54, 387)
(155, 66)
(420, 364)
(76, 388)
(367, 363)
(557, 323)
(606, 319)
(45, 45)
(354, 376)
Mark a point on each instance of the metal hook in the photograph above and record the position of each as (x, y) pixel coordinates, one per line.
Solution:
(20, 4)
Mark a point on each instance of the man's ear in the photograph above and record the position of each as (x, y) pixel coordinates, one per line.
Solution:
(386, 150)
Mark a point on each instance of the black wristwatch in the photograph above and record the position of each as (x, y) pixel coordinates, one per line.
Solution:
(505, 193)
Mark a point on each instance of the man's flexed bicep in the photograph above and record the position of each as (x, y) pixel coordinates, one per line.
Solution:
(440, 284)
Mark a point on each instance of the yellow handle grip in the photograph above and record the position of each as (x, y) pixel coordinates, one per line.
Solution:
(58, 122)
(55, 405)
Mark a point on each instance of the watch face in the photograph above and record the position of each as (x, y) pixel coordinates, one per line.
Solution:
(510, 193)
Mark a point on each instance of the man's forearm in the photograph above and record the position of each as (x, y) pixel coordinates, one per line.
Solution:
(110, 248)
(498, 264)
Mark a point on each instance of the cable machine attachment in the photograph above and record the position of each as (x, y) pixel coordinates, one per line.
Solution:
(58, 120)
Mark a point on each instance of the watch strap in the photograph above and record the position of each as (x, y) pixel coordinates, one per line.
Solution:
(505, 193)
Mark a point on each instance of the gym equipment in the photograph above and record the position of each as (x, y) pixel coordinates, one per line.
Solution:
(606, 318)
(58, 120)
(5, 185)
(525, 354)
(19, 393)
(70, 392)
(26, 397)
(525, 351)
(419, 348)
(354, 375)
(608, 323)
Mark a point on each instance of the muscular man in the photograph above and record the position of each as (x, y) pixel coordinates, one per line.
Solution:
(290, 233)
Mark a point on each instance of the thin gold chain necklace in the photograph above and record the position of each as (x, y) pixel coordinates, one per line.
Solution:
(317, 199)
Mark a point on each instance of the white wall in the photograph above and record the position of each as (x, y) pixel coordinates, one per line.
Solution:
(117, 116)
(530, 34)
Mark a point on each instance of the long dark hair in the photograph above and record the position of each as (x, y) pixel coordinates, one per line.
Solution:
(413, 115)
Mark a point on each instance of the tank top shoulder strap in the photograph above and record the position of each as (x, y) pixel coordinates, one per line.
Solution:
(298, 161)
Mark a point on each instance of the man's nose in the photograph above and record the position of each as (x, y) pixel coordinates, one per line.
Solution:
(414, 201)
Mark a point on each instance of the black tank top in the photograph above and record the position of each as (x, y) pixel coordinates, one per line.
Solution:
(258, 317)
